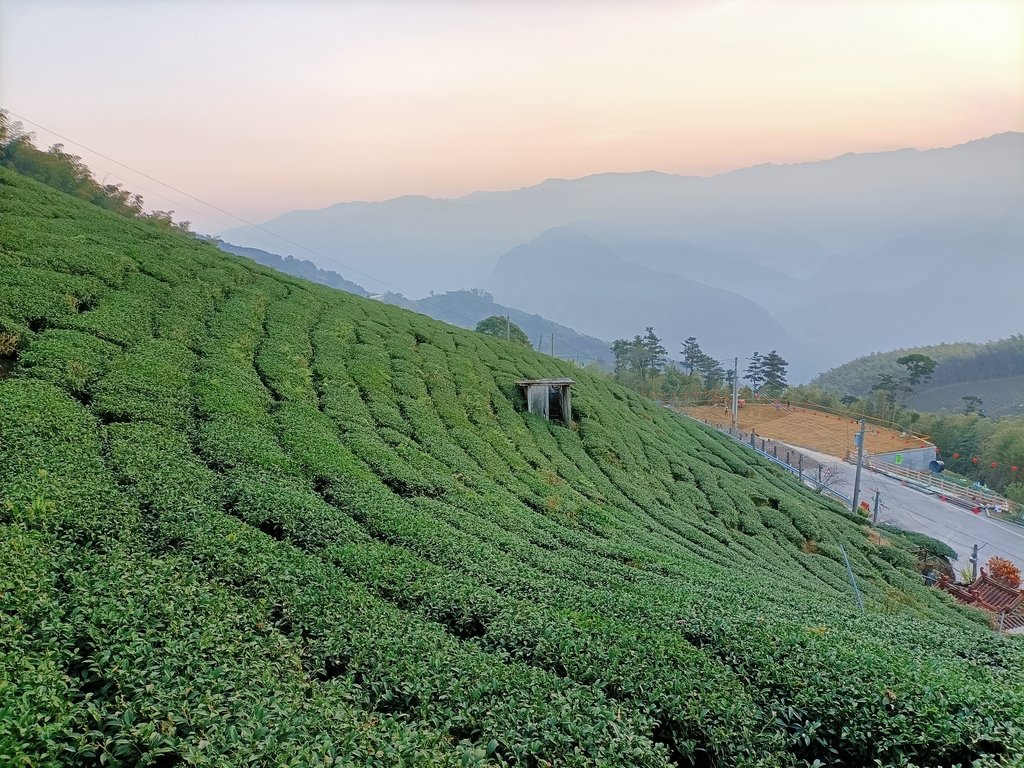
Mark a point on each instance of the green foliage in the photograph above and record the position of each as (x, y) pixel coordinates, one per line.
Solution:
(67, 173)
(971, 436)
(692, 354)
(767, 373)
(919, 367)
(912, 539)
(247, 520)
(993, 371)
(502, 328)
(639, 361)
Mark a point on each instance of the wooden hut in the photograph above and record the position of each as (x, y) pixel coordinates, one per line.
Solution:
(549, 398)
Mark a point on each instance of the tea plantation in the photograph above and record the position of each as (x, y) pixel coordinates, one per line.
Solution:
(249, 520)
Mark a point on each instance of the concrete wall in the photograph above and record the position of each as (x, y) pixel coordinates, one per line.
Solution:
(913, 458)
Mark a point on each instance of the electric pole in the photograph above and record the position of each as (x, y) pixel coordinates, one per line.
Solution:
(974, 564)
(735, 393)
(552, 345)
(860, 460)
(874, 519)
(508, 329)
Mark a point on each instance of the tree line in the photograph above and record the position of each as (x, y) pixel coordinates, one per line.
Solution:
(642, 363)
(67, 172)
(955, 363)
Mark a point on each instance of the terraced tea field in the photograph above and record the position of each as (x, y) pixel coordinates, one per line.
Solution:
(248, 520)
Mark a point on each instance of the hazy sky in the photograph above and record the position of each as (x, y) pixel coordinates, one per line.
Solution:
(264, 107)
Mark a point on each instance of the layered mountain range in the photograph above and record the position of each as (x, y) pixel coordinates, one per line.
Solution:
(823, 261)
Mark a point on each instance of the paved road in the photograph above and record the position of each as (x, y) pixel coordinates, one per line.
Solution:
(915, 511)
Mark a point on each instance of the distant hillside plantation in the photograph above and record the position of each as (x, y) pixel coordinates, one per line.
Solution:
(858, 376)
(246, 519)
(1000, 397)
(993, 371)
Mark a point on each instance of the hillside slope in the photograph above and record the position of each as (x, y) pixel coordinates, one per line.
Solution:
(993, 371)
(251, 520)
(288, 264)
(466, 308)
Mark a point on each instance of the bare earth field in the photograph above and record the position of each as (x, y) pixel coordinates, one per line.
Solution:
(808, 429)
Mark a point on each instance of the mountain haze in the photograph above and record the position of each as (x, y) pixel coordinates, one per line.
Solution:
(569, 275)
(467, 308)
(868, 241)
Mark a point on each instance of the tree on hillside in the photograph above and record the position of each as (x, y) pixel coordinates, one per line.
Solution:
(755, 372)
(643, 357)
(767, 372)
(890, 391)
(691, 353)
(68, 173)
(973, 404)
(711, 372)
(502, 328)
(919, 368)
(657, 355)
(677, 383)
(893, 389)
(774, 368)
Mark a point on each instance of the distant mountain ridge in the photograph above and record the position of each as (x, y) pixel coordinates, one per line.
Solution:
(841, 230)
(290, 265)
(466, 308)
(567, 274)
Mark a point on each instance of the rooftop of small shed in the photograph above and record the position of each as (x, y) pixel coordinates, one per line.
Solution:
(545, 382)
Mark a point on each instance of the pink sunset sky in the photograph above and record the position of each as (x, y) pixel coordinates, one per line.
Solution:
(265, 107)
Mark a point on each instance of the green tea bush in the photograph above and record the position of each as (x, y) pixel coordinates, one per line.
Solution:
(247, 520)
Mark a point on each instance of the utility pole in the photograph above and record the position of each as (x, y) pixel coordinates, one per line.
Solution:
(874, 518)
(860, 460)
(735, 393)
(552, 345)
(974, 564)
(508, 329)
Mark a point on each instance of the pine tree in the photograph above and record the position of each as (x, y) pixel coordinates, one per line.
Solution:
(710, 371)
(773, 369)
(692, 354)
(755, 372)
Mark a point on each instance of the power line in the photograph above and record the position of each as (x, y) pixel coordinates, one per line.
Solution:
(209, 205)
(323, 257)
(236, 217)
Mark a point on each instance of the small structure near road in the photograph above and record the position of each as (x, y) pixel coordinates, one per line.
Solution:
(548, 398)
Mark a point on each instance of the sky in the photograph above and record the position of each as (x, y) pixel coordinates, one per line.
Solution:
(264, 107)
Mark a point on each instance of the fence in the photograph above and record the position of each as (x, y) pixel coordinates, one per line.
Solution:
(806, 469)
(964, 496)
